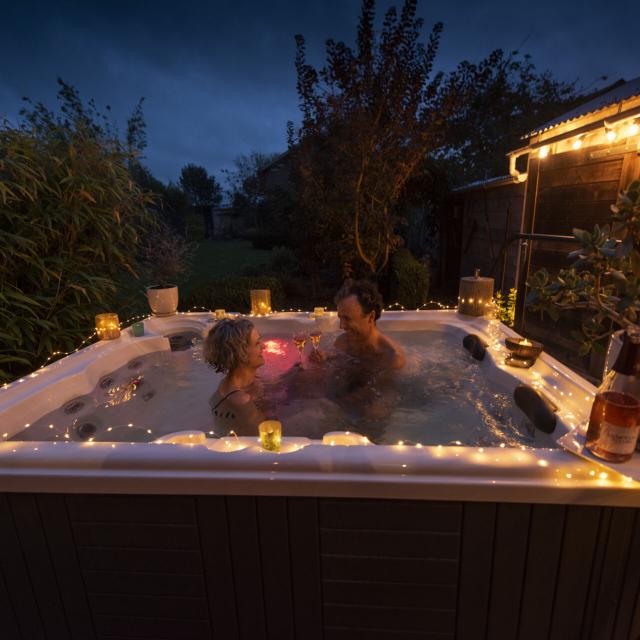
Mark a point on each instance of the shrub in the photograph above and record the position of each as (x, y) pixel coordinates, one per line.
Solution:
(232, 293)
(284, 261)
(266, 240)
(165, 256)
(408, 281)
(71, 219)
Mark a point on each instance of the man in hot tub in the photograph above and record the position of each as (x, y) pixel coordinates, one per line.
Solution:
(359, 307)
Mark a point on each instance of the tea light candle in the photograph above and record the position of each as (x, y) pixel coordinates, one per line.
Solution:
(107, 326)
(220, 314)
(270, 435)
(260, 302)
(523, 348)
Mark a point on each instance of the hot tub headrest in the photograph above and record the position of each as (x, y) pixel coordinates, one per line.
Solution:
(474, 345)
(537, 407)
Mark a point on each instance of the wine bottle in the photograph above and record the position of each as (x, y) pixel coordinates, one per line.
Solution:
(614, 422)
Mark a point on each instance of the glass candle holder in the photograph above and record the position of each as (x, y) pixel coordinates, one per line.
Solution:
(318, 311)
(260, 302)
(107, 326)
(220, 314)
(137, 329)
(270, 435)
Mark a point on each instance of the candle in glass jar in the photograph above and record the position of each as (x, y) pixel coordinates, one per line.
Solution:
(107, 326)
(318, 311)
(220, 314)
(270, 435)
(260, 302)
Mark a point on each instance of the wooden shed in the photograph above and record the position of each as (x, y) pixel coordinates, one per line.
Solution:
(566, 175)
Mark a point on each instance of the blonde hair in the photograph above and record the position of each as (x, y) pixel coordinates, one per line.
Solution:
(225, 347)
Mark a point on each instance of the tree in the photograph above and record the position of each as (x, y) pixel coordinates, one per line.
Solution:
(369, 117)
(505, 99)
(203, 192)
(247, 190)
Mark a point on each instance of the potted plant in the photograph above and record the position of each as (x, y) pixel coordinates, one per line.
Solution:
(165, 259)
(604, 278)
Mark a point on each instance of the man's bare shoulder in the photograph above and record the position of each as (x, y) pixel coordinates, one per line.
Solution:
(394, 353)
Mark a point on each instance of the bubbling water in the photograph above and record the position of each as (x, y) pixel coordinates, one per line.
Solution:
(440, 397)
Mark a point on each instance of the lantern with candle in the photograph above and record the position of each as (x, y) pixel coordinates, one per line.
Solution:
(475, 295)
(260, 302)
(270, 435)
(107, 326)
(523, 352)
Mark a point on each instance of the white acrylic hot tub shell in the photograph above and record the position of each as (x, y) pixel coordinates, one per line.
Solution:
(308, 468)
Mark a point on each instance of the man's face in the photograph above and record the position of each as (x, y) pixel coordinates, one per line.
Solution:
(353, 320)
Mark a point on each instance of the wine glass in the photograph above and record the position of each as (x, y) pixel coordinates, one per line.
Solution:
(300, 338)
(315, 339)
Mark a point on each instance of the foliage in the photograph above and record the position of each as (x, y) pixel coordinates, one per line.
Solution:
(284, 261)
(409, 280)
(171, 204)
(165, 256)
(265, 240)
(369, 117)
(232, 293)
(506, 97)
(506, 306)
(604, 278)
(202, 191)
(71, 220)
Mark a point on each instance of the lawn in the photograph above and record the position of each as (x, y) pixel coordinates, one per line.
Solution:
(219, 258)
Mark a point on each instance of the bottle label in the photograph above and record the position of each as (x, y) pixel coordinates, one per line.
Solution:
(615, 439)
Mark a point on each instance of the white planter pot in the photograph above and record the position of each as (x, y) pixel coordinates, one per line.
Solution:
(163, 300)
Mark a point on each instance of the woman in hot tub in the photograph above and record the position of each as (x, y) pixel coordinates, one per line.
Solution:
(234, 348)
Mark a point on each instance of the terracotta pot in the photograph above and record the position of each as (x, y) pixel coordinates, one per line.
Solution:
(163, 300)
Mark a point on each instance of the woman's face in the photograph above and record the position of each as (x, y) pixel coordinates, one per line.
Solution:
(254, 350)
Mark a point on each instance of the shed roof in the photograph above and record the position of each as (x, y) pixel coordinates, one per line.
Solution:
(619, 91)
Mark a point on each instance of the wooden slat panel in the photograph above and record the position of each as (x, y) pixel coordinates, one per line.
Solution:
(618, 547)
(146, 536)
(389, 618)
(305, 567)
(415, 570)
(475, 570)
(247, 573)
(129, 509)
(36, 554)
(510, 552)
(595, 192)
(545, 543)
(145, 560)
(579, 540)
(390, 515)
(152, 584)
(276, 572)
(149, 606)
(62, 551)
(405, 544)
(153, 628)
(630, 587)
(393, 594)
(216, 554)
(17, 577)
(8, 619)
(333, 633)
(587, 174)
(597, 564)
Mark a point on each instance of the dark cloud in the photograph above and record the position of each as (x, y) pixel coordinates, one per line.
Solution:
(218, 77)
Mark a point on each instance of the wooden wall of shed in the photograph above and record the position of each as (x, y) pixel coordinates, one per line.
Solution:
(566, 191)
(490, 216)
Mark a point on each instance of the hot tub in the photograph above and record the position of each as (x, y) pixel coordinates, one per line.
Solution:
(415, 535)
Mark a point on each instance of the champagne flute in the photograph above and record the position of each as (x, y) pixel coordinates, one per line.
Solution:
(315, 339)
(300, 338)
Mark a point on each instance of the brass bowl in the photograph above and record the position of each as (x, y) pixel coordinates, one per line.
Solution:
(532, 350)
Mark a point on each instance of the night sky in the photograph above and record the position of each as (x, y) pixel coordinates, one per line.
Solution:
(218, 77)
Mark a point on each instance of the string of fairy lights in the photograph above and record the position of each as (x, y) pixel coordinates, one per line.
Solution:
(457, 448)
